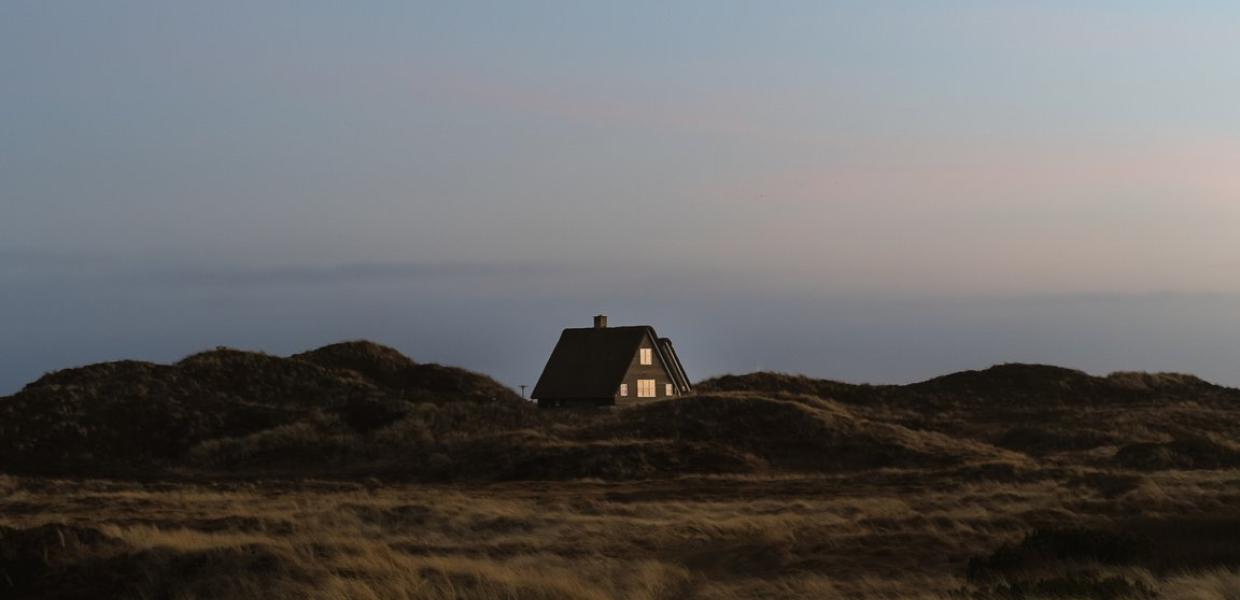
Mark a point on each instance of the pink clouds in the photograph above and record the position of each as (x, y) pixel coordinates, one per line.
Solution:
(999, 218)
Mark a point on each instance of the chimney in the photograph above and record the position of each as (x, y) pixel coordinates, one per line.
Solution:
(600, 321)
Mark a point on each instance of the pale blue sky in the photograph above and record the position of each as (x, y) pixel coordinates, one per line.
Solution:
(869, 191)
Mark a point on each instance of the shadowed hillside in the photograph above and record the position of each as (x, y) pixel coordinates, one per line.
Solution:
(1000, 386)
(352, 471)
(130, 417)
(358, 409)
(1136, 420)
(392, 371)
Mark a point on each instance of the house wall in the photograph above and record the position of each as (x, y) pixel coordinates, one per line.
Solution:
(657, 371)
(576, 403)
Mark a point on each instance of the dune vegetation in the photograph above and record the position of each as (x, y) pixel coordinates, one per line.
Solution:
(352, 471)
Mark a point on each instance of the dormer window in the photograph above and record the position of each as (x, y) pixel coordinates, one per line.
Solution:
(647, 357)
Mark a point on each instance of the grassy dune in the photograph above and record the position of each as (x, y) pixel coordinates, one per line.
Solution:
(882, 534)
(354, 472)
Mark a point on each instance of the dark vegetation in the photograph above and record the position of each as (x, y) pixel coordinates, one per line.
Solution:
(136, 418)
(1017, 481)
(1064, 561)
(361, 409)
(1141, 421)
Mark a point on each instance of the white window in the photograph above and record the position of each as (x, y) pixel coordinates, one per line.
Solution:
(624, 389)
(667, 390)
(645, 388)
(646, 356)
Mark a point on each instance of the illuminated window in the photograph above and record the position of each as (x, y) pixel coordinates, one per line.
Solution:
(624, 389)
(667, 390)
(647, 359)
(645, 388)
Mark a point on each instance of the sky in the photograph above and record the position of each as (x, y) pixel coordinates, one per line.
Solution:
(866, 191)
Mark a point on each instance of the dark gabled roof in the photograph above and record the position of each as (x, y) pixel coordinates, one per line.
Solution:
(590, 362)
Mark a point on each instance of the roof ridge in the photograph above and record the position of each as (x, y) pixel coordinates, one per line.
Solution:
(610, 327)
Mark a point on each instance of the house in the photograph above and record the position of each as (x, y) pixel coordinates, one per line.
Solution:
(610, 366)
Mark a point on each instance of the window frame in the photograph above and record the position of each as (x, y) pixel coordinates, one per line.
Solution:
(624, 390)
(646, 356)
(667, 390)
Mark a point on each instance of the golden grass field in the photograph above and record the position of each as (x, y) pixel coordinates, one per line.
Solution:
(879, 534)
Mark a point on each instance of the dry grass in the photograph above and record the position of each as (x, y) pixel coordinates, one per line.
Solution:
(882, 534)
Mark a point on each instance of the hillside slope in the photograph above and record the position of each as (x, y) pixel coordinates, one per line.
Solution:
(359, 409)
(1134, 420)
(130, 416)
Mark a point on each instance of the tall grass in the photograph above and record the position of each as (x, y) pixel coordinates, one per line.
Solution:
(877, 534)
